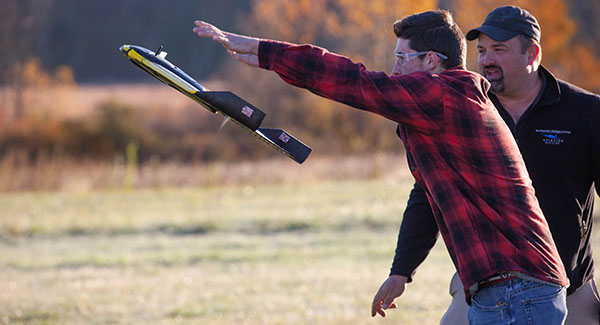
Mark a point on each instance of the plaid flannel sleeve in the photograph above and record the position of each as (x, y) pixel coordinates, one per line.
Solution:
(413, 100)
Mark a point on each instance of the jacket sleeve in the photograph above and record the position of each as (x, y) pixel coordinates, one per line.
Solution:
(414, 100)
(417, 236)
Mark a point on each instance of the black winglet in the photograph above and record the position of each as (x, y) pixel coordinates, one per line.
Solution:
(285, 142)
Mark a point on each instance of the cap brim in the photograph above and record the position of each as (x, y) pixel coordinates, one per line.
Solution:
(496, 33)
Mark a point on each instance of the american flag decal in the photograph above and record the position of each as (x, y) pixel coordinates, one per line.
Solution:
(247, 111)
(284, 137)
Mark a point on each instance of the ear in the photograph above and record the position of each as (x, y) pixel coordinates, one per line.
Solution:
(432, 62)
(534, 54)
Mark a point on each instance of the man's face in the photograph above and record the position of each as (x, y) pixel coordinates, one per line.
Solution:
(403, 66)
(503, 64)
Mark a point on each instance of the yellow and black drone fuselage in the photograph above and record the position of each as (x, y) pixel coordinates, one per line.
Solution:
(226, 103)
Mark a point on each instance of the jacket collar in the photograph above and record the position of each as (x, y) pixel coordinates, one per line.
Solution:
(551, 92)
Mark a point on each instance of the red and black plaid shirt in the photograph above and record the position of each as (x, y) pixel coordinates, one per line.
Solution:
(459, 150)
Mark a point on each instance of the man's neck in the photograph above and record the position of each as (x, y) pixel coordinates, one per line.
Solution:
(519, 100)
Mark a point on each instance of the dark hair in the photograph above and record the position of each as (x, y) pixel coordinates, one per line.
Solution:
(526, 42)
(434, 31)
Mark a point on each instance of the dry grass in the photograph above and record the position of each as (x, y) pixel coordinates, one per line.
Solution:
(82, 100)
(263, 242)
(255, 253)
(291, 278)
(65, 174)
(261, 254)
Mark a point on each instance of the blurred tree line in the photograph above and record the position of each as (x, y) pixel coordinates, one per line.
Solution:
(53, 43)
(85, 35)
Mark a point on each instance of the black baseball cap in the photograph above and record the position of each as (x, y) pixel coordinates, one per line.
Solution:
(504, 23)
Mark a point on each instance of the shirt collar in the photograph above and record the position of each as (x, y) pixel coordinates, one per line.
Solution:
(551, 90)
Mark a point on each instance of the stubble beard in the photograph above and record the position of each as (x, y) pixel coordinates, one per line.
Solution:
(497, 86)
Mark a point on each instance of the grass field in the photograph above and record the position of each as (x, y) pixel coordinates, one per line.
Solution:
(265, 254)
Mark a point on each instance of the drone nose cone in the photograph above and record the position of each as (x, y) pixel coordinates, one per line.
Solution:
(124, 49)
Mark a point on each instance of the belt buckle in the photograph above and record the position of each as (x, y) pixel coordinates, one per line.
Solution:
(496, 277)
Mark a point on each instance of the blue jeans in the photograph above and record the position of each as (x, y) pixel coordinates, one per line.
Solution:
(518, 302)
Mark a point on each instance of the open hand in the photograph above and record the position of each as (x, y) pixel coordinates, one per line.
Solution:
(240, 47)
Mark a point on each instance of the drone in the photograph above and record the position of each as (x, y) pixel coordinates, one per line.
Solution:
(226, 103)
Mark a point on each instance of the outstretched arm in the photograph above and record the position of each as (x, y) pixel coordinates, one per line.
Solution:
(240, 47)
(414, 100)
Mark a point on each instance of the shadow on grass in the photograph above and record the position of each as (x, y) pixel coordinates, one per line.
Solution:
(260, 227)
(29, 316)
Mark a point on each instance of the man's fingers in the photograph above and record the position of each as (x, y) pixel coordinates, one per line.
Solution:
(221, 39)
(238, 43)
(203, 32)
(376, 309)
(377, 302)
(204, 29)
(379, 307)
(232, 42)
(206, 32)
(201, 23)
(384, 299)
(389, 302)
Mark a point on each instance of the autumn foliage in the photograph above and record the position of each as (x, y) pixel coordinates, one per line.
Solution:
(564, 51)
(361, 30)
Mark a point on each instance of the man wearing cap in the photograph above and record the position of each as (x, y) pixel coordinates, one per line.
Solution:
(556, 127)
(458, 149)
